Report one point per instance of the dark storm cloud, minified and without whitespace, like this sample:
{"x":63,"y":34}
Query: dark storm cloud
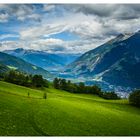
{"x":118,"y":11}
{"x":20,"y":11}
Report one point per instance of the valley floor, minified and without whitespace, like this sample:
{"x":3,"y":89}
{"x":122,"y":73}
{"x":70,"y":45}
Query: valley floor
{"x":63,"y":114}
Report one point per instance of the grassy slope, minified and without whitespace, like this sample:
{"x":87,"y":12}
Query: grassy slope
{"x":63,"y":113}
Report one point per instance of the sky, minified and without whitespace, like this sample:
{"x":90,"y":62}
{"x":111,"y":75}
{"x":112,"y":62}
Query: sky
{"x":64,"y":28}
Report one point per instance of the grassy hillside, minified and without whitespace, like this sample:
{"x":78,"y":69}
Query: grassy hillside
{"x":15,"y":63}
{"x":63,"y":113}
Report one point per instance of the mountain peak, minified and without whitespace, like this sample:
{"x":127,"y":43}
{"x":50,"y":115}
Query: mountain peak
{"x":19,"y":50}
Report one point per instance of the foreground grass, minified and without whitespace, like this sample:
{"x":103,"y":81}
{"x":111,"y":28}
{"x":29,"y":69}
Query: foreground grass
{"x":63,"y":114}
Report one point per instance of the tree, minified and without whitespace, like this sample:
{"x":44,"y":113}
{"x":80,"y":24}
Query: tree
{"x":56,"y":83}
{"x":10,"y":76}
{"x":81,"y":87}
{"x":63,"y":84}
{"x":72,"y":88}
{"x":28,"y":94}
{"x":16,"y":77}
{"x":95,"y":90}
{"x":134,"y":98}
{"x":38,"y":81}
{"x":46,"y":83}
{"x":45,"y":95}
{"x":23,"y":79}
{"x":110,"y":95}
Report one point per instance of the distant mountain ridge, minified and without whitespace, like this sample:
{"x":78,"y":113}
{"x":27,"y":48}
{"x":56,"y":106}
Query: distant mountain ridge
{"x":11,"y":62}
{"x":116,"y":62}
{"x":43,"y":59}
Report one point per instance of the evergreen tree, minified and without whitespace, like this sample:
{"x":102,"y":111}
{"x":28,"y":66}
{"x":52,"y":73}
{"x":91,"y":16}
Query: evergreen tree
{"x":63,"y":84}
{"x":45,"y":95}
{"x":28,"y":94}
{"x":81,"y":87}
{"x":95,"y":90}
{"x":38,"y":81}
{"x":134,"y":98}
{"x":56,"y":83}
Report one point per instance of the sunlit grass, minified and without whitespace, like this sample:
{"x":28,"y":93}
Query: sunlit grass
{"x":63,"y":113}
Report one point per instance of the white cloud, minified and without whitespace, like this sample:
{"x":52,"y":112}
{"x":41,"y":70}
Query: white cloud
{"x":48,"y":7}
{"x":4,"y":36}
{"x":41,"y":31}
{"x":93,"y":24}
{"x":4,"y":17}
{"x":53,"y":45}
{"x":31,"y":16}
{"x":6,"y":45}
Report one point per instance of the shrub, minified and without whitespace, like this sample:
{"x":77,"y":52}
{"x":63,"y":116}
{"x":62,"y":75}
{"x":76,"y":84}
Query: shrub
{"x":134,"y":98}
{"x":45,"y":96}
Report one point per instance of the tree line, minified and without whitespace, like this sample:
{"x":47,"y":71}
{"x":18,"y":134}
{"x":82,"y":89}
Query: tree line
{"x":24,"y":79}
{"x":67,"y":85}
{"x":134,"y":98}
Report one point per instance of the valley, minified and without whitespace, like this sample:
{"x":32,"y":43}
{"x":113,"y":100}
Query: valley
{"x":69,"y":69}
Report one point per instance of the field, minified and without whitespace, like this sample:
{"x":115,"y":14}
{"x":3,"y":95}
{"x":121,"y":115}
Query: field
{"x":63,"y":114}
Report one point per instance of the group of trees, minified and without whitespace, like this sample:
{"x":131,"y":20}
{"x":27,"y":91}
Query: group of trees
{"x":134,"y":98}
{"x":66,"y":85}
{"x":109,"y":95}
{"x":75,"y":88}
{"x":23,"y":79}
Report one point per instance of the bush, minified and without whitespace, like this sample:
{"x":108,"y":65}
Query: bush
{"x":134,"y":98}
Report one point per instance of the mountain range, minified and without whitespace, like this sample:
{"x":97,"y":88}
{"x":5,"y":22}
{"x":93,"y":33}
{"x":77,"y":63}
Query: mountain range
{"x":117,"y":62}
{"x":47,"y":61}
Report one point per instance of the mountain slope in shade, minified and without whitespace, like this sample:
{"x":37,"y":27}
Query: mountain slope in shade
{"x":13,"y":62}
{"x":116,"y":62}
{"x":42,"y":59}
{"x":3,"y":69}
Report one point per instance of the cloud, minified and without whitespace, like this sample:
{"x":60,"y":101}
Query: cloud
{"x":101,"y":10}
{"x":118,"y":11}
{"x":6,"y":45}
{"x":5,"y":36}
{"x":41,"y":31}
{"x":4,"y":17}
{"x":35,"y":17}
{"x":94,"y":24}
{"x":48,"y":7}
{"x":20,"y":11}
{"x":52,"y":45}
{"x":84,"y":27}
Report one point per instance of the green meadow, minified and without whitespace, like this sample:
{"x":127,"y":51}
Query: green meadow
{"x":63,"y":114}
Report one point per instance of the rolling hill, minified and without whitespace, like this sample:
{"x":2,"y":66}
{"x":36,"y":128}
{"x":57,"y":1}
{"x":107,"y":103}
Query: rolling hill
{"x":63,"y":114}
{"x":12,"y":62}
